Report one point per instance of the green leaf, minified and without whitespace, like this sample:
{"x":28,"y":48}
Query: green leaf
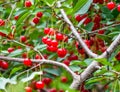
{"x":56,"y":72}
{"x":79,"y":5}
{"x":103,"y":61}
{"x":76,"y":62}
{"x":89,"y":27}
{"x":75,"y":68}
{"x":104,"y":37}
{"x":85,"y":8}
{"x":49,"y":2}
{"x":15,"y":53}
{"x":94,"y":79}
{"x":23,"y":16}
{"x":14,"y":70}
{"x":31,"y":76}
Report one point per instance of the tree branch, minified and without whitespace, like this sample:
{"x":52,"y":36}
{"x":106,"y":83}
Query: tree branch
{"x":44,"y":61}
{"x":92,"y":67}
{"x":74,"y":31}
{"x":112,"y":47}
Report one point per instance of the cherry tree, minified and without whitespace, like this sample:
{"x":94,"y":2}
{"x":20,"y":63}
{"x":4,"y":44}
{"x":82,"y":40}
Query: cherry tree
{"x":59,"y":45}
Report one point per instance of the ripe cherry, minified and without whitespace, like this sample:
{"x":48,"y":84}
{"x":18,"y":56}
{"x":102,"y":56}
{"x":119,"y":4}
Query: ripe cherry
{"x":16,"y":17}
{"x":118,"y":56}
{"x":87,"y":20}
{"x":48,"y":42}
{"x":62,"y":52}
{"x":39,"y":85}
{"x":44,"y":40}
{"x":27,"y":62}
{"x":4,"y":65}
{"x":64,"y":79}
{"x":87,"y":42}
{"x":3,"y":34}
{"x":36,"y":20}
{"x":78,"y":18}
{"x":111,"y":5}
{"x":10,"y":49}
{"x":28,"y":3}
{"x":2,"y":22}
{"x":73,"y":57}
{"x":54,"y":43}
{"x":46,"y":30}
{"x":47,"y":81}
{"x":66,"y":62}
{"x":53,"y":90}
{"x":97,"y":18}
{"x":101,"y":31}
{"x":59,"y":36}
{"x":37,"y":56}
{"x":24,"y":55}
{"x":118,"y":7}
{"x":39,"y":14}
{"x":61,"y":90}
{"x":28,"y":89}
{"x":23,"y":38}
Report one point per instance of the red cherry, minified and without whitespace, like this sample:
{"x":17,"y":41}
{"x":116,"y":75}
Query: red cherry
{"x":46,"y":30}
{"x":95,"y":1}
{"x":39,"y":14}
{"x":54,"y":43}
{"x":45,"y":56}
{"x":27,"y":62}
{"x":2,"y":22}
{"x":10,"y":50}
{"x":61,"y":90}
{"x":73,"y":57}
{"x":62,"y":52}
{"x":28,"y":3}
{"x":4,"y":65}
{"x":37,"y":56}
{"x":111,"y":5}
{"x":53,"y":90}
{"x":78,"y":18}
{"x":24,"y":55}
{"x":16,"y":17}
{"x":23,"y":38}
{"x":47,"y":81}
{"x":36,"y":20}
{"x":64,"y":79}
{"x":81,"y":51}
{"x":53,"y":49}
{"x":39,"y":85}
{"x":44,"y":40}
{"x":87,"y":20}
{"x":52,"y":31}
{"x":66,"y":62}
{"x":101,"y":31}
{"x":101,"y":1}
{"x":59,"y":36}
{"x":48,"y":42}
{"x":118,"y":7}
{"x":1,"y":63}
{"x":28,"y":89}
{"x":3,"y":34}
{"x":97,"y":18}
{"x":118,"y":56}
{"x":87,"y":42}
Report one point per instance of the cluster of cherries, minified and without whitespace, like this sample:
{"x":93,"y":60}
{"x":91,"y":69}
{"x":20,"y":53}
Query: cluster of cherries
{"x":111,"y":5}
{"x":52,"y":45}
{"x":38,"y":85}
{"x":4,"y":64}
{"x":41,"y":84}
